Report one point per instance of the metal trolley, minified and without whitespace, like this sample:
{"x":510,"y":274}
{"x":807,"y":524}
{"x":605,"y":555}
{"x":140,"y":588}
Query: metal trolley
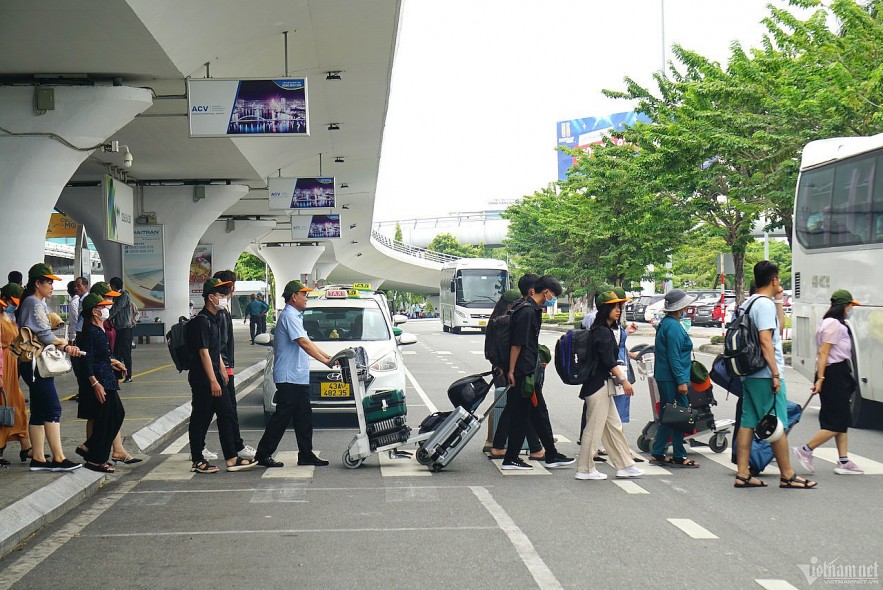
{"x":705,"y":424}
{"x":360,"y":448}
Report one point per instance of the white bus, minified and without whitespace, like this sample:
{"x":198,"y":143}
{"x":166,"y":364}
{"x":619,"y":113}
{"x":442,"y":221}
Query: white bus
{"x":468,"y":290}
{"x":838,"y":230}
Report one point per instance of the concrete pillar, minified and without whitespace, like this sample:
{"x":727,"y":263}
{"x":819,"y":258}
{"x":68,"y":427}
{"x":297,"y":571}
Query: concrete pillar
{"x":323,"y":269}
{"x":289,"y":263}
{"x":84,"y":204}
{"x":34,"y":169}
{"x":184,"y":223}
{"x":227,"y":246}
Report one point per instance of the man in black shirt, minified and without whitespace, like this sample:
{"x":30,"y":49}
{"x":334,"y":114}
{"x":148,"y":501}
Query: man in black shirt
{"x":206,"y":376}
{"x":524,"y":364}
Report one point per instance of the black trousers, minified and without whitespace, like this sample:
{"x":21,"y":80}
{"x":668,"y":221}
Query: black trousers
{"x":122,"y":348}
{"x":231,"y":391}
{"x":521,"y":413}
{"x":108,"y":421}
{"x":292,"y":405}
{"x":501,"y":432}
{"x":263,"y":324}
{"x":205,"y":407}
{"x":254,"y":326}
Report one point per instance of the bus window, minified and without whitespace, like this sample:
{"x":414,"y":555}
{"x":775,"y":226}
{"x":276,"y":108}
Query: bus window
{"x":480,"y":287}
{"x":813,"y":203}
{"x":850,"y":203}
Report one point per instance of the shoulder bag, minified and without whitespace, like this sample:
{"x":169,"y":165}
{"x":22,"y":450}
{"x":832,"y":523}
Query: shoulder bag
{"x":7,"y":413}
{"x":679,"y":418}
{"x":25,"y":346}
{"x":52,"y":362}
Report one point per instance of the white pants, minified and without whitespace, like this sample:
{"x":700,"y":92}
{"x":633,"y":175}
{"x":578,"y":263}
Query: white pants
{"x":603,"y":425}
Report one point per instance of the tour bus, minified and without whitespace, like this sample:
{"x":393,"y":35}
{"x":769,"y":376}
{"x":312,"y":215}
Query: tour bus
{"x":468,"y":290}
{"x":838,"y":231}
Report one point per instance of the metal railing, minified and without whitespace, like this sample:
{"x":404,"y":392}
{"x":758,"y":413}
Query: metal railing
{"x":410,"y":250}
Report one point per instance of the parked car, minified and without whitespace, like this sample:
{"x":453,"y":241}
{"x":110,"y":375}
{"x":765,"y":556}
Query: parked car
{"x":339,"y":318}
{"x":634,"y":310}
{"x":702,"y":298}
{"x":651,"y":310}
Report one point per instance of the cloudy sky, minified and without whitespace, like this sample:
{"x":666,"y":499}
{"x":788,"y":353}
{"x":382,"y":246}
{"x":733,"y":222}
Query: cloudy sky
{"x":478,"y":86}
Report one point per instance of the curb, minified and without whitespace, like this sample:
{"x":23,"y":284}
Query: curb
{"x":36,"y":510}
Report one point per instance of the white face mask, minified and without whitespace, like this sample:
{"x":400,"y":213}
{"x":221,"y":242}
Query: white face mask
{"x":104,"y":314}
{"x":223,"y":303}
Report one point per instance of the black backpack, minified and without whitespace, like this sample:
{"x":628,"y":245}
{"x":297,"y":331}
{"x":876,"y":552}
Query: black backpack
{"x":176,"y":339}
{"x":497,"y":345}
{"x":743,"y":355}
{"x":575,"y":360}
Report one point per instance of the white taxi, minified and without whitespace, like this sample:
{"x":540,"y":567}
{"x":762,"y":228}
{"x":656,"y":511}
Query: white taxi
{"x":342,"y":317}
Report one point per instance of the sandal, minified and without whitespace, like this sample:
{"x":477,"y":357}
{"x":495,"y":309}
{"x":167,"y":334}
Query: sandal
{"x":128,"y":460}
{"x":242,"y":464}
{"x":748,"y":482}
{"x":660,"y":460}
{"x":103,"y":468}
{"x":797,"y":483}
{"x":684,"y":463}
{"x":203,"y":467}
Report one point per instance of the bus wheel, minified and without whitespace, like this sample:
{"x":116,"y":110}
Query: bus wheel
{"x":445,"y":328}
{"x":455,"y":329}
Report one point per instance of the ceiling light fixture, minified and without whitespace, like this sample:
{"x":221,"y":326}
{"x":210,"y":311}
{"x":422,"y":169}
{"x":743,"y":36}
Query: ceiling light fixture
{"x":333,"y":127}
{"x":344,"y":185}
{"x":338,"y":160}
{"x":359,"y":254}
{"x":354,"y":242}
{"x":354,"y":225}
{"x":345,"y":206}
{"x":333,"y":76}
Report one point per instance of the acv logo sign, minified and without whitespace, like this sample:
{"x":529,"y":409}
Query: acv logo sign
{"x":200,"y":109}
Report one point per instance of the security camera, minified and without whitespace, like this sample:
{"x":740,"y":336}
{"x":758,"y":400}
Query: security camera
{"x":127,"y":159}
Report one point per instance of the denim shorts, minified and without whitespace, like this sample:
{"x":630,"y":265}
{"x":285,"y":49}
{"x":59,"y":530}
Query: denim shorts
{"x":45,"y":406}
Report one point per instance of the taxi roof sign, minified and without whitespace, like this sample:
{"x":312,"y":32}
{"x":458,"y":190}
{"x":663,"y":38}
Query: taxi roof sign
{"x":362,"y":286}
{"x":336,"y":294}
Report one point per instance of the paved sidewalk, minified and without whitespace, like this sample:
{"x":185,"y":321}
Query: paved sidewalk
{"x":157,"y":408}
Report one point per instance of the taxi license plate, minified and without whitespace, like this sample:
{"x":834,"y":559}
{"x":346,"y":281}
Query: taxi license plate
{"x":482,"y":323}
{"x":334,"y":389}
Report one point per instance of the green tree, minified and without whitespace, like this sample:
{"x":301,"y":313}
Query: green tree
{"x":447,"y":244}
{"x":398,"y":235}
{"x":251,"y":268}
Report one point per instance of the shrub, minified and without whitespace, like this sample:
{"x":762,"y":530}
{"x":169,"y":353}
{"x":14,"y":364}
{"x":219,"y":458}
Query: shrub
{"x":717,"y":339}
{"x":786,"y":346}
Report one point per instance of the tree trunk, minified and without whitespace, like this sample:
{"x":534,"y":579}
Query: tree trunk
{"x":739,"y":269}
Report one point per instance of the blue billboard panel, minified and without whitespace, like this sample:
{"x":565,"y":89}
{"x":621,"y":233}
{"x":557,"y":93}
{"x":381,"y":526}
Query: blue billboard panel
{"x":581,"y":133}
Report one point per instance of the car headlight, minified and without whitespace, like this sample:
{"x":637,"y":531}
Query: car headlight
{"x":387,"y":362}
{"x":461,"y":314}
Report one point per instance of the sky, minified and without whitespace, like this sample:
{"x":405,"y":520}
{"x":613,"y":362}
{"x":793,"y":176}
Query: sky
{"x":478,"y":86}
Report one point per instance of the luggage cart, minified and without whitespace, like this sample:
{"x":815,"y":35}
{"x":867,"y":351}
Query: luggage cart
{"x":364,"y":444}
{"x":705,"y":423}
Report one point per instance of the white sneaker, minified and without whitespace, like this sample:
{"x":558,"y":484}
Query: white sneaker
{"x":593,"y":474}
{"x":848,"y":468}
{"x":208,"y":455}
{"x":629,"y":472}
{"x":246,"y":453}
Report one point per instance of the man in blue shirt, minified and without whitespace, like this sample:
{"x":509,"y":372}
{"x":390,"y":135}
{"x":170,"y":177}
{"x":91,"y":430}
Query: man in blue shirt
{"x":291,"y":373}
{"x":765,"y":389}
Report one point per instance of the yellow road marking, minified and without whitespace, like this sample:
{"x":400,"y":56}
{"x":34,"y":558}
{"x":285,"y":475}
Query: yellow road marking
{"x":153,"y":370}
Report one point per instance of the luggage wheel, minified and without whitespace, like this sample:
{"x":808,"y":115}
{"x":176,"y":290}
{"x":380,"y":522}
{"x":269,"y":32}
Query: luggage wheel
{"x":397,"y":454}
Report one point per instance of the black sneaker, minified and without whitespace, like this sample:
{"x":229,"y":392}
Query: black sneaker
{"x":559,"y":460}
{"x":516,"y":463}
{"x":270,"y":462}
{"x":38,"y":466}
{"x":312,"y":460}
{"x":65,"y":465}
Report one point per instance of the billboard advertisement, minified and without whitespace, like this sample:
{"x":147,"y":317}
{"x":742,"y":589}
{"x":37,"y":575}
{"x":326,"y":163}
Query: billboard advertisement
{"x":61,"y":226}
{"x":200,"y":269}
{"x":301,"y":193}
{"x":582,"y":133}
{"x":315,"y":227}
{"x":219,"y":107}
{"x":143,"y":274}
{"x":119,"y":211}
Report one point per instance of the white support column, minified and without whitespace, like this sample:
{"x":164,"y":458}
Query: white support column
{"x":227,"y":246}
{"x":84,"y":204}
{"x":184,"y":222}
{"x":35,"y":169}
{"x":323,"y":269}
{"x":289,"y":263}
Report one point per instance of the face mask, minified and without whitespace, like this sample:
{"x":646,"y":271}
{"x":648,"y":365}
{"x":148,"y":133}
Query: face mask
{"x":11,"y":308}
{"x":551,"y":302}
{"x":848,"y":314}
{"x":104,"y":313}
{"x":223,"y":303}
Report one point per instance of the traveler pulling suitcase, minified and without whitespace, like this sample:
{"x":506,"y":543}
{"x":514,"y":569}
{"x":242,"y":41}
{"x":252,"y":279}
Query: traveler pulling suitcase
{"x":451,"y":436}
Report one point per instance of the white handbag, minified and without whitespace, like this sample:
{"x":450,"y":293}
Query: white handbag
{"x":52,"y":362}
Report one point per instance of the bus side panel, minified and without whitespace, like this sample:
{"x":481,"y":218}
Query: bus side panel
{"x":866,"y":324}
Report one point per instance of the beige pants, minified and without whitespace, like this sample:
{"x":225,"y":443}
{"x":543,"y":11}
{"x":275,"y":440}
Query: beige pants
{"x":603,"y":425}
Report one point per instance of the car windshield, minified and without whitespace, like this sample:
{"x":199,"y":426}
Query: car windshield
{"x":345,"y":323}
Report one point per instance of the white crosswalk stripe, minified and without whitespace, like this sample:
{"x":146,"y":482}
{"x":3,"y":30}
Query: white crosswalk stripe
{"x":831,"y":455}
{"x":291,"y":470}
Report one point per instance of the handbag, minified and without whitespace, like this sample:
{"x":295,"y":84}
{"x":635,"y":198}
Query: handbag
{"x":25,"y":346}
{"x":679,"y":418}
{"x":52,"y":362}
{"x":7,"y":413}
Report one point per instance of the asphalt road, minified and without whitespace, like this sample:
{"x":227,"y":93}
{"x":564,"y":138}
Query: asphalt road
{"x":393,"y":524}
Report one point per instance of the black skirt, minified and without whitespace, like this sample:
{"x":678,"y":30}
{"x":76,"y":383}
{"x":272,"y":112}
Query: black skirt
{"x":837,"y":388}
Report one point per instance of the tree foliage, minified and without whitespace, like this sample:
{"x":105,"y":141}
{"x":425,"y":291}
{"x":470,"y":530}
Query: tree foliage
{"x":447,"y":244}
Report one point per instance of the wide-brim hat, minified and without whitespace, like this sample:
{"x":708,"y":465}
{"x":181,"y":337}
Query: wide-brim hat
{"x":676,"y":299}
{"x":700,"y":379}
{"x":42,"y":270}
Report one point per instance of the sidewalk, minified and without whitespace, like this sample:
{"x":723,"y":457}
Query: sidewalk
{"x":157,"y":404}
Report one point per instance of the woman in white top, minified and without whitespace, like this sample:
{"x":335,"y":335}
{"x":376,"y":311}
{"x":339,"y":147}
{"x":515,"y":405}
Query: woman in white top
{"x":834,"y":384}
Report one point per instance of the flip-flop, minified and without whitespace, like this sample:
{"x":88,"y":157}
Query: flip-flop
{"x":746,"y":482}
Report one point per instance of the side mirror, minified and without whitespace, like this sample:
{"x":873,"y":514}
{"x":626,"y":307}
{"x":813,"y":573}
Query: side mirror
{"x":406,"y":338}
{"x":264,"y":339}
{"x":399,"y":319}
